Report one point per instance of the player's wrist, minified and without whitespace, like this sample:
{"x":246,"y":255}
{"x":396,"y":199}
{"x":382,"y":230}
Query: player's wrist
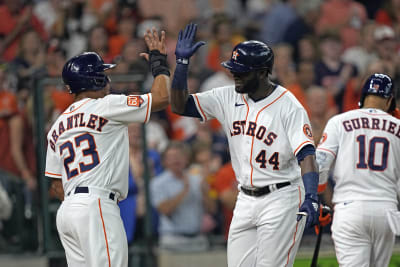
{"x":179,"y":82}
{"x":158,"y":63}
{"x":182,"y":60}
{"x":310,"y":181}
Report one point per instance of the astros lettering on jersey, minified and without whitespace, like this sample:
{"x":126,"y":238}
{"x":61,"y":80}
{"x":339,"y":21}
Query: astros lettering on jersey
{"x":263,"y":135}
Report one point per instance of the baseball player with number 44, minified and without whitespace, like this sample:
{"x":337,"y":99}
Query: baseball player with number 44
{"x":88,"y":153}
{"x":365,"y":146}
{"x":271,"y":147}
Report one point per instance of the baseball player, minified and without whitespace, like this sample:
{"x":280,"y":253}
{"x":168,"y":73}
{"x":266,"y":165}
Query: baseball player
{"x":269,"y":136}
{"x":88,"y":153}
{"x":364,"y":144}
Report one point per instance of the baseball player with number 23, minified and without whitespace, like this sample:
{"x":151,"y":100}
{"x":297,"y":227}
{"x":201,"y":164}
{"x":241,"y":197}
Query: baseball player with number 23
{"x":271,"y":147}
{"x":87,"y":155}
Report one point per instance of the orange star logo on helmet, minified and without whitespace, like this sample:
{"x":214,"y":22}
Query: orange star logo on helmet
{"x":235,"y":54}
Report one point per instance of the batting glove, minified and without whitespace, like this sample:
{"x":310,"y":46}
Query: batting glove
{"x":325,"y":217}
{"x":311,"y":207}
{"x":185,"y":47}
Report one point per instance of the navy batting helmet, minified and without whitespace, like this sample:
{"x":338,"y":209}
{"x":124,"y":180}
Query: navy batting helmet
{"x":380,"y":85}
{"x":85,"y":72}
{"x":250,"y":56}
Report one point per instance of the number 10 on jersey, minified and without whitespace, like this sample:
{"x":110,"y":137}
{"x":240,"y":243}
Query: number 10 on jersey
{"x":367,"y":160}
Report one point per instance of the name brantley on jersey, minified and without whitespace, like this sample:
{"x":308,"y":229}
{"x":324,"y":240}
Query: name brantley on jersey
{"x":91,"y":121}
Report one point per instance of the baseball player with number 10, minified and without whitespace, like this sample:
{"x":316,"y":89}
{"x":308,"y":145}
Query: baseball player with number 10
{"x":87,"y":155}
{"x":365,"y":146}
{"x":269,"y":136}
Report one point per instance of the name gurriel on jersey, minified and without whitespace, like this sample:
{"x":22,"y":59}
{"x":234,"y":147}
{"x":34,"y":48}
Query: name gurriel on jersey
{"x":373,"y":124}
{"x":77,"y":120}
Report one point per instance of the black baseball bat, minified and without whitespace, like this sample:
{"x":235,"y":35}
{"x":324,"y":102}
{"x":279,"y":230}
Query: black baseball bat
{"x":317,"y":246}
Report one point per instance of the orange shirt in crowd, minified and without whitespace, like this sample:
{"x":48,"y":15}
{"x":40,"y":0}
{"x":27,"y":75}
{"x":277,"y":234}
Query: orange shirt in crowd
{"x":61,"y":100}
{"x":299,"y":93}
{"x":9,"y":23}
{"x":225,"y":179}
{"x":8,"y":109}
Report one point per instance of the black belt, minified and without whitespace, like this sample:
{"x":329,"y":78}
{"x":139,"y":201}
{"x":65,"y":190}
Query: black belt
{"x":260,"y":191}
{"x":85,"y":189}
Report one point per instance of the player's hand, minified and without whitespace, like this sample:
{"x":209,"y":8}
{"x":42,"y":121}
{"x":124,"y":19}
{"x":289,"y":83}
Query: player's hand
{"x":185,"y":47}
{"x":325,"y":217}
{"x":154,"y":42}
{"x":311,"y":207}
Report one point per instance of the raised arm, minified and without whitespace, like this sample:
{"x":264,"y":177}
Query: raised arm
{"x":185,"y":48}
{"x":157,"y":58}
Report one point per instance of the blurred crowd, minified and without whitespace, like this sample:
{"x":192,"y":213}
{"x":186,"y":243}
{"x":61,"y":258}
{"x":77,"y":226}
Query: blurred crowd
{"x":324,"y":50}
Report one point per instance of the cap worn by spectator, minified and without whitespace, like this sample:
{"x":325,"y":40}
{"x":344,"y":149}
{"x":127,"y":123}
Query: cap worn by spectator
{"x":384,"y":33}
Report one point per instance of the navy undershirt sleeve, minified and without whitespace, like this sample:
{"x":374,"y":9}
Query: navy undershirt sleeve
{"x":304,"y":152}
{"x":191,"y":109}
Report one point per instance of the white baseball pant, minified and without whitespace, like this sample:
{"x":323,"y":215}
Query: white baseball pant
{"x":91,"y":231}
{"x":361,"y":233}
{"x":264,"y":231}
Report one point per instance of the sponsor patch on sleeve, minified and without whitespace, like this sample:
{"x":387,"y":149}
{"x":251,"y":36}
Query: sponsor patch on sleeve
{"x":307,"y":131}
{"x":134,"y":101}
{"x":323,"y":138}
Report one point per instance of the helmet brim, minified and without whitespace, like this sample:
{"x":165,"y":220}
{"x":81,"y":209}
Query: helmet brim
{"x":235,"y":67}
{"x":108,"y":66}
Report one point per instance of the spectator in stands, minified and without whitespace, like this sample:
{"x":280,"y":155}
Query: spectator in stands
{"x":16,"y":19}
{"x":330,"y":72}
{"x":307,"y":49}
{"x":17,"y":154}
{"x":276,"y":21}
{"x":179,"y":199}
{"x":363,"y":53}
{"x":174,"y":14}
{"x":126,"y":32}
{"x":222,"y":77}
{"x":31,"y":56}
{"x":345,"y":17}
{"x":389,"y":14}
{"x":387,"y":48}
{"x":133,"y":208}
{"x":98,"y":42}
{"x":303,"y":25}
{"x":226,"y":189}
{"x":284,"y":69}
{"x":320,"y":112}
{"x":224,"y":33}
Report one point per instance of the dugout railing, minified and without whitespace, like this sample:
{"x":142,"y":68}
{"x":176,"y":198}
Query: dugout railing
{"x":49,"y":243}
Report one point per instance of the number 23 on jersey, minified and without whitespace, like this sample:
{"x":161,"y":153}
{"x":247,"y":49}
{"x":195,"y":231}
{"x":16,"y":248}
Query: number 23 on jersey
{"x":87,"y":145}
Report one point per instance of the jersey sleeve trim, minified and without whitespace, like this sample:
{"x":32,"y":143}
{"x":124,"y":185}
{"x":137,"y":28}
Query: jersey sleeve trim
{"x":53,"y":175}
{"x":77,"y":107}
{"x":201,"y":110}
{"x":148,"y":108}
{"x":301,"y":146}
{"x":325,"y":149}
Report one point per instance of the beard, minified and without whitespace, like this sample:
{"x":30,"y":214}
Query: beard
{"x":249,"y":87}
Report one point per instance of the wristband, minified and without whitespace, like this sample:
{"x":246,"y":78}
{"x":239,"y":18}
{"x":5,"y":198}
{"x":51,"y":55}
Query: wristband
{"x":158,"y":63}
{"x":310,"y":180}
{"x":184,"y":61}
{"x":179,"y":81}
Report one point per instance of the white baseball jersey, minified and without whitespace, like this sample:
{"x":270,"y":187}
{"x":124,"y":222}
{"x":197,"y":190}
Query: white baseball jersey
{"x":366,"y":146}
{"x":264,"y":136}
{"x":88,"y":144}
